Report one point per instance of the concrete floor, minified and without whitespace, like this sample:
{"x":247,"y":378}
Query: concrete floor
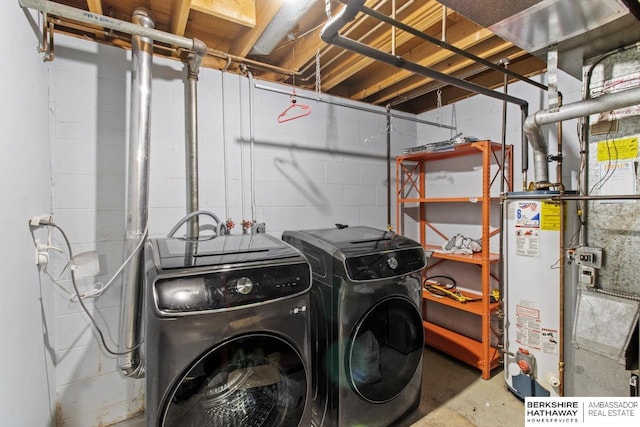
{"x":453,"y":395}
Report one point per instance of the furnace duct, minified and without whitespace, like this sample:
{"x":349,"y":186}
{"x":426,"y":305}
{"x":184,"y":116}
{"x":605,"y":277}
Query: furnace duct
{"x":281,"y":25}
{"x":533,"y":124}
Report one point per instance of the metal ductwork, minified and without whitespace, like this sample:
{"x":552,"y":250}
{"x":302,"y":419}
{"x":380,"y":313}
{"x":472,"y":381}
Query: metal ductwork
{"x":577,"y":29}
{"x":137,"y":197}
{"x":281,"y":25}
{"x":533,"y":123}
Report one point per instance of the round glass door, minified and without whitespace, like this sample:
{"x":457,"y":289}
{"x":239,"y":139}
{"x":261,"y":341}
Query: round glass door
{"x":254,"y":380}
{"x":385,"y":350}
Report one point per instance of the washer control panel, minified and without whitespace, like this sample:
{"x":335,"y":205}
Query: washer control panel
{"x":229,"y":288}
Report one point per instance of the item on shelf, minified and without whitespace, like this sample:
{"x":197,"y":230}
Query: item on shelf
{"x":441,"y":145}
{"x":446,"y":290}
{"x":460,"y":244}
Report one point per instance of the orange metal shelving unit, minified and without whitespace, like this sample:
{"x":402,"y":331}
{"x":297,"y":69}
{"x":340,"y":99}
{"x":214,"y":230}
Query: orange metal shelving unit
{"x":411,"y":189}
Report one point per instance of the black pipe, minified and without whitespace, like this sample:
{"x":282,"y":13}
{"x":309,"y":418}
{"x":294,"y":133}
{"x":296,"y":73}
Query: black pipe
{"x":330,"y":35}
{"x":445,"y":45}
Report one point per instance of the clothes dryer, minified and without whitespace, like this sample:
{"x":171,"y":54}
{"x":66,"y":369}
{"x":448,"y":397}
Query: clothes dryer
{"x":367,"y":335}
{"x":227,"y":333}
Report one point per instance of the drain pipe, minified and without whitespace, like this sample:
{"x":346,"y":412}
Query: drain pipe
{"x":137,"y":196}
{"x":533,"y":123}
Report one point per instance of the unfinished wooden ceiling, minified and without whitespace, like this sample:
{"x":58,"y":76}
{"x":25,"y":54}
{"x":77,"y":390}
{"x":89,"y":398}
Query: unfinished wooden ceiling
{"x":231,"y":29}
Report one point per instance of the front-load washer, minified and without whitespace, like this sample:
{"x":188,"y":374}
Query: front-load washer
{"x":227,"y":338}
{"x":367,"y":335}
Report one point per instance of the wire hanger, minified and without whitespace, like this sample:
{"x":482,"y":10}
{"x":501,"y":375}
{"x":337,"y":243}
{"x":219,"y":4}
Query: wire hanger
{"x":294,"y":111}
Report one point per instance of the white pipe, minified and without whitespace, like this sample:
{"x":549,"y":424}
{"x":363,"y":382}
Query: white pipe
{"x":251,"y":150}
{"x":533,"y":123}
{"x":224,"y":149}
{"x":195,"y":45}
{"x":242,"y":146}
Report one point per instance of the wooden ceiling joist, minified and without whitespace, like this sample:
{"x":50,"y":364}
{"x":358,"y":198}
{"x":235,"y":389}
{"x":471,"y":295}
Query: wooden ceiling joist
{"x":242,"y":12}
{"x":230,"y":28}
{"x":463,"y":36}
{"x":179,"y":16}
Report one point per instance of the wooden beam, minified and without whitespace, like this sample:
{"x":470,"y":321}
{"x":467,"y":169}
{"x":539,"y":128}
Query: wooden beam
{"x":241,"y":12}
{"x":265,"y":11}
{"x":179,"y":16}
{"x":95,"y":6}
{"x":448,"y":66}
{"x":526,"y":65}
{"x":463,"y":35}
{"x":417,"y":85}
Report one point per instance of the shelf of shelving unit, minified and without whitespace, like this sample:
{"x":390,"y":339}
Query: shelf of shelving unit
{"x":410,"y":173}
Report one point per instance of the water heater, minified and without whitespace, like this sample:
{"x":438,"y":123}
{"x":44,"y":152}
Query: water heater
{"x":539,"y":292}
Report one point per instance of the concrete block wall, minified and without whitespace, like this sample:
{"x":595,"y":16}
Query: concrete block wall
{"x":27,"y":374}
{"x":326,"y":168}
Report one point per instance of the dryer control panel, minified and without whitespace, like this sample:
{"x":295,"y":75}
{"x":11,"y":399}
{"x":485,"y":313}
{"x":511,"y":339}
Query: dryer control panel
{"x":229,"y":288}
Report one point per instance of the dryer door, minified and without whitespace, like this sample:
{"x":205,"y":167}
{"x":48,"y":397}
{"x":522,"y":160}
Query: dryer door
{"x":252,"y":380}
{"x":385,"y":349}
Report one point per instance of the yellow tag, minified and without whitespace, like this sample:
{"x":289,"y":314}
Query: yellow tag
{"x":618,"y":149}
{"x":550,"y":216}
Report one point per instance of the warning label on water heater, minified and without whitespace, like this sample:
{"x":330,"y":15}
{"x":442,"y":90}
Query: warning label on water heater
{"x":528,"y":329}
{"x":528,"y":214}
{"x":528,"y":229}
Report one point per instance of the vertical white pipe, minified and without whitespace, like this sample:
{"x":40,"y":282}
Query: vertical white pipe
{"x":251,"y":150}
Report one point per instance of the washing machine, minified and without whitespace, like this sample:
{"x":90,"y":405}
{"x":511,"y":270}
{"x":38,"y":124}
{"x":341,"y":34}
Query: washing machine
{"x":367,"y":335}
{"x":227,"y":337}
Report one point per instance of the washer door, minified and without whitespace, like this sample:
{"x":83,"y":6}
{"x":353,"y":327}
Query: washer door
{"x":252,"y":380}
{"x":385,"y":350}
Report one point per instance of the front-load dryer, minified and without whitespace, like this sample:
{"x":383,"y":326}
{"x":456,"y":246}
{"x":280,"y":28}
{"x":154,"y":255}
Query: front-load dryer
{"x":227,"y":333}
{"x":367,"y":335}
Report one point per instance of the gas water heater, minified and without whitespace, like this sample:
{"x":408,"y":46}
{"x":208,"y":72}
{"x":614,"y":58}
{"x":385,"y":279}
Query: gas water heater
{"x":539,"y":292}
